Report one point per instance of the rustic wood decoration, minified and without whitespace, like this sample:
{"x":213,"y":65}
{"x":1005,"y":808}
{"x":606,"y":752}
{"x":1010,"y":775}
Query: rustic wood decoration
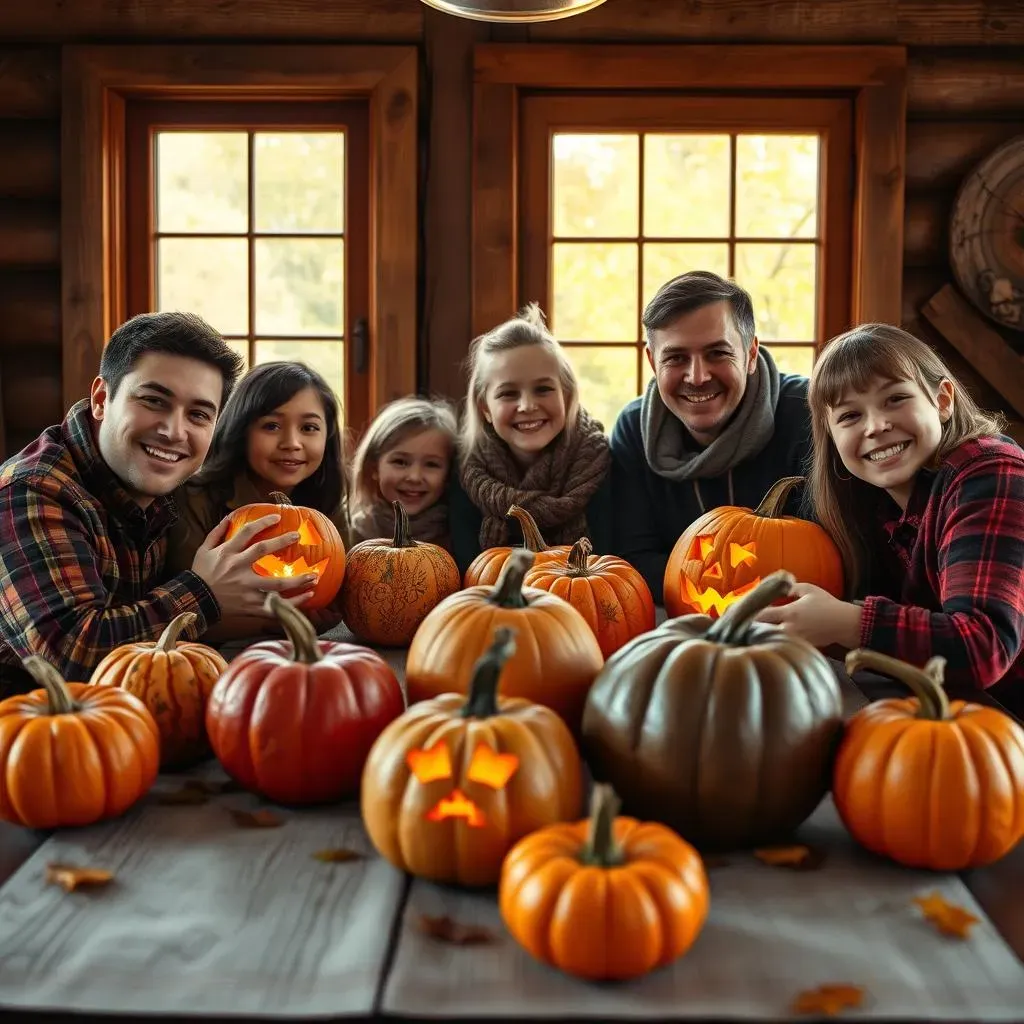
{"x":514,"y":10}
{"x":987,"y":235}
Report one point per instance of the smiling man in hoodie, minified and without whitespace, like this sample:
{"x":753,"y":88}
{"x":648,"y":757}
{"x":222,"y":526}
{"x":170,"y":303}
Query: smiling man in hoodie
{"x":718,"y":424}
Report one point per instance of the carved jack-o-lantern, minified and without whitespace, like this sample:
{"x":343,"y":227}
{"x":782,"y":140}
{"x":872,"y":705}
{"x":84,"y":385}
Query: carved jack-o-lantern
{"x":728,"y":551}
{"x":453,"y":783}
{"x":319,"y":548}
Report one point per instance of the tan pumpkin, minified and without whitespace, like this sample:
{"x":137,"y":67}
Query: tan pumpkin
{"x":485,"y":569}
{"x":174,"y":680}
{"x":391,"y":585}
{"x":607,"y":591}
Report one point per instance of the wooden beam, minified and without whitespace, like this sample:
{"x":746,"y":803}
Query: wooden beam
{"x":30,"y":311}
{"x":30,"y":167}
{"x":947,"y":84}
{"x":29,"y":82}
{"x":981,"y":345}
{"x":29,"y":234}
{"x":960,"y":23}
{"x":926,"y":229}
{"x":940,"y":154}
{"x":390,"y":20}
{"x":609,"y":66}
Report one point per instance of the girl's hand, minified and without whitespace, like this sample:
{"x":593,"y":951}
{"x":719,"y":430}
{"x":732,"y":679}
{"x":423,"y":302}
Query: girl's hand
{"x":817,"y":617}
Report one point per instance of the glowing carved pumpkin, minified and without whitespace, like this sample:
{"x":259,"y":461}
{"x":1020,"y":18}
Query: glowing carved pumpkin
{"x":453,"y":783}
{"x":728,"y":551}
{"x":319,"y":548}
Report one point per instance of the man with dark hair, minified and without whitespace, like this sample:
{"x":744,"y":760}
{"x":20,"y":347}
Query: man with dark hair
{"x":85,"y":508}
{"x":718,"y":424}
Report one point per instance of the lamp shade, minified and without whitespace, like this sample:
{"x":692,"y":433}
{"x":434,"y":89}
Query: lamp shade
{"x":514,"y":10}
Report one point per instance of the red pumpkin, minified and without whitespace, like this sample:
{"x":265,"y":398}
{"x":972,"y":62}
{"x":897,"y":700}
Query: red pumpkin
{"x":726,"y":552}
{"x":607,"y":591}
{"x":319,"y":548}
{"x":485,"y":569}
{"x":295,"y":719}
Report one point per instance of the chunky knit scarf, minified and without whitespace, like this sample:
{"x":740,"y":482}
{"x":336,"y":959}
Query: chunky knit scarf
{"x":555,"y":489}
{"x":378,"y":520}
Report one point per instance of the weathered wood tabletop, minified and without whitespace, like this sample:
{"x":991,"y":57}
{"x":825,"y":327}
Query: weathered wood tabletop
{"x":206,"y":920}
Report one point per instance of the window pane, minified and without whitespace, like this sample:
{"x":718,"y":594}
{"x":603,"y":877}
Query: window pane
{"x":300,"y":181}
{"x":793,"y":358}
{"x":686,"y":186}
{"x":665,"y":260}
{"x":777,"y":186}
{"x":594,"y":290}
{"x":781,"y":280}
{"x":299,"y":285}
{"x":241,"y":346}
{"x":205,"y":276}
{"x":595,"y":185}
{"x":607,"y":376}
{"x":326,"y":357}
{"x":201,"y":181}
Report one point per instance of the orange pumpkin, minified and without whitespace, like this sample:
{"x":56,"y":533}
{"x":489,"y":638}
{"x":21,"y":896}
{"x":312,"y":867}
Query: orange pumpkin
{"x":929,"y":782}
{"x":485,"y":569}
{"x":319,"y":548}
{"x":391,"y":585}
{"x":726,"y":552}
{"x":557,"y":655}
{"x":174,"y":681}
{"x":73,"y":754}
{"x":450,"y":786}
{"x":606,"y":899}
{"x":607,"y":591}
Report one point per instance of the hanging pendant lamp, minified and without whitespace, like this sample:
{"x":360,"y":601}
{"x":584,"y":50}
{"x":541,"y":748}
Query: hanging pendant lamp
{"x":514,"y":10}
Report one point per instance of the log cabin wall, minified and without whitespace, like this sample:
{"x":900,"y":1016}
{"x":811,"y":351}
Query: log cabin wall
{"x":965,"y":96}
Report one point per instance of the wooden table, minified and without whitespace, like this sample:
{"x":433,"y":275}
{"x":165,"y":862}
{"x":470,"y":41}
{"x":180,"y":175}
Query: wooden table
{"x":998,"y":889}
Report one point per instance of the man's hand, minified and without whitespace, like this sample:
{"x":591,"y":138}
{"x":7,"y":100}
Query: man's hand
{"x":226,"y":567}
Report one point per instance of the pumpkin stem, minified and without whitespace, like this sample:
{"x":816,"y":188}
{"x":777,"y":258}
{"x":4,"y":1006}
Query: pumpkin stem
{"x":58,"y":696}
{"x":576,"y":560}
{"x":774,"y":501}
{"x":926,"y":683}
{"x":280,"y":498}
{"x":483,"y":688}
{"x":731,"y":628}
{"x":402,"y":537}
{"x":601,"y":849}
{"x":532,"y":540}
{"x":508,"y":591}
{"x":297,"y":628}
{"x":169,"y":637}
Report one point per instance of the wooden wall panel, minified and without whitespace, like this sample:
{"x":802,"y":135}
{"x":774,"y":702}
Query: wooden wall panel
{"x":29,"y":80}
{"x":948,"y":83}
{"x":30,"y":163}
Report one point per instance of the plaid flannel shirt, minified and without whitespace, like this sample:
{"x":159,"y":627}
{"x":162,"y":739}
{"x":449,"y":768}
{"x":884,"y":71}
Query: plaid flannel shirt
{"x":81,"y":564}
{"x":959,"y":556}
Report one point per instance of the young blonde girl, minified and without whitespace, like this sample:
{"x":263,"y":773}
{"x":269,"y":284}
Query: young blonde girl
{"x":925,"y":500}
{"x":405,"y":455}
{"x":526,"y":440}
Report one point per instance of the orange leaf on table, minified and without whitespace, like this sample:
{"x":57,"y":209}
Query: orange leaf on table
{"x":338,"y":855}
{"x":70,"y":877}
{"x":444,"y":929}
{"x":257,"y":819}
{"x":829,"y":999}
{"x":948,"y":918}
{"x":797,"y":858}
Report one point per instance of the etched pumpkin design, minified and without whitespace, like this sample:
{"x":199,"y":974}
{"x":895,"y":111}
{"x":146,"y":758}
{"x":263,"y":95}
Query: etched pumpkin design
{"x":728,"y":551}
{"x":391,"y":585}
{"x":319,"y":548}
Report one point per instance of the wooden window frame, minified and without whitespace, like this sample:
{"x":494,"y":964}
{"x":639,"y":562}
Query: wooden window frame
{"x":97,"y":81}
{"x":874,"y":77}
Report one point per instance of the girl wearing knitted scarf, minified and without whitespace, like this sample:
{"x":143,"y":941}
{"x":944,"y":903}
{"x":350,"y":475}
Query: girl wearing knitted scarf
{"x":405,"y":456}
{"x":525,"y":439}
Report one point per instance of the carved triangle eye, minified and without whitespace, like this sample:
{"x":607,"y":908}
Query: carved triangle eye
{"x":490,"y":768}
{"x":430,"y":764}
{"x":714,"y":571}
{"x":308,"y":534}
{"x":701,"y":547}
{"x":740,"y":553}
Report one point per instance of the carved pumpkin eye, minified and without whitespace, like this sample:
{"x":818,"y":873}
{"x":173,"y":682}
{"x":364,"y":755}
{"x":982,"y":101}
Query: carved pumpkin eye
{"x":308,"y":535}
{"x":430,"y":764}
{"x":491,"y":769}
{"x":740,"y":553}
{"x":703,"y":545}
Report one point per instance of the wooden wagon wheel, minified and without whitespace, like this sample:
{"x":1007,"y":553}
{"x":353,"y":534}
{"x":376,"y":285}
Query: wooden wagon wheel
{"x":987,"y":235}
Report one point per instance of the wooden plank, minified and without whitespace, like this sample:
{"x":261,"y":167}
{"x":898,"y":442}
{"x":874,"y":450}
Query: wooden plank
{"x":30,"y":310}
{"x":30,"y":168}
{"x":940,"y":154}
{"x":251,"y":921}
{"x":30,"y":381}
{"x":960,"y":23}
{"x":770,"y":934}
{"x":776,"y":21}
{"x":29,"y":82}
{"x":381,"y":20}
{"x":926,"y":229}
{"x":29,"y":233}
{"x":919,"y":285}
{"x":447,"y":261}
{"x":979,"y":343}
{"x":879,"y":201}
{"x":947,"y":84}
{"x":566,"y":66}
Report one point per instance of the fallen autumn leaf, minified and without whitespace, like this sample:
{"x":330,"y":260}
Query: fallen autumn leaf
{"x":444,"y":929}
{"x":70,"y":877}
{"x":829,"y":999}
{"x":262,"y":818}
{"x":338,"y":856}
{"x":947,"y":918}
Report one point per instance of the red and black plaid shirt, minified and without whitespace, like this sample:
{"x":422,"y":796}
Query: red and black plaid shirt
{"x":959,"y":556}
{"x":81,"y":564}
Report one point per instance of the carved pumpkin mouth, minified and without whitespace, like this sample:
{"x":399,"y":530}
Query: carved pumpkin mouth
{"x":709,"y":599}
{"x":275,"y":565}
